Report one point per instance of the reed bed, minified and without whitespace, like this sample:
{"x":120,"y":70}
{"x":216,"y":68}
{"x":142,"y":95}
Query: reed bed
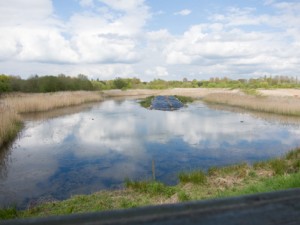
{"x":12,"y":105}
{"x":280,"y":105}
{"x":25,"y":103}
{"x":10,"y":123}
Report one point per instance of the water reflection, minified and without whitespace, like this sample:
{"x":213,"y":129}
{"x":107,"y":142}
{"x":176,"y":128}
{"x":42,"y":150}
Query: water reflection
{"x":273,"y":118}
{"x":99,"y":147}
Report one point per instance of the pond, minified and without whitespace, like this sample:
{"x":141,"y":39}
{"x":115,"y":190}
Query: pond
{"x":99,"y":146}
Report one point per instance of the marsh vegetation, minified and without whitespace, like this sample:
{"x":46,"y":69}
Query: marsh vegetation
{"x":12,"y":105}
{"x":289,"y":106}
{"x":275,"y":174}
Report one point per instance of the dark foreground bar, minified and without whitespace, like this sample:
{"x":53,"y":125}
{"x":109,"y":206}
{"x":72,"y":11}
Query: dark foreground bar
{"x":270,"y":208}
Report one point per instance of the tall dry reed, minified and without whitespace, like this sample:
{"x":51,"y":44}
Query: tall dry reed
{"x":12,"y":105}
{"x":9,"y":124}
{"x":279,"y":105}
{"x":24,"y":103}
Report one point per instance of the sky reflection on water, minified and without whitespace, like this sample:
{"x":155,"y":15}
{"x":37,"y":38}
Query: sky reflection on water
{"x":98,"y":148}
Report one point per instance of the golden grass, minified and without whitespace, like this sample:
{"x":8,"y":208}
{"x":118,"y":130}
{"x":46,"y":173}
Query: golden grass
{"x":12,"y":105}
{"x":280,"y":105}
{"x":9,"y":123}
{"x":25,"y":103}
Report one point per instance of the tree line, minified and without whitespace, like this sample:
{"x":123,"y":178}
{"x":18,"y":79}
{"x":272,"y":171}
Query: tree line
{"x":44,"y":83}
{"x":81,"y":82}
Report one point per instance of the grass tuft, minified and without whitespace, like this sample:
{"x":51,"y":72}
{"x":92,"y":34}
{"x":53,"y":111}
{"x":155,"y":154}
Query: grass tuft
{"x":279,"y":166}
{"x":195,"y":177}
{"x":250,"y":91}
{"x":146,"y":102}
{"x":184,"y":99}
{"x":8,"y":213}
{"x":240,"y":170}
{"x":183,"y":196}
{"x":150,"y":187}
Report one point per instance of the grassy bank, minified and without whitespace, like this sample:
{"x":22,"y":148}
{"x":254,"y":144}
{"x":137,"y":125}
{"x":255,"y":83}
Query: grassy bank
{"x":12,"y":105}
{"x":289,"y":106}
{"x":272,"y":175}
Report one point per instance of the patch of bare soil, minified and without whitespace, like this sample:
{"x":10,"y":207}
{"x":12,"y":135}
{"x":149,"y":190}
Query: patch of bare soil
{"x":197,"y":92}
{"x":281,"y":92}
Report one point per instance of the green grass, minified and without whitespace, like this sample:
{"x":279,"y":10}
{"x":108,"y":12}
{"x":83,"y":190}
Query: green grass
{"x":251,"y":91}
{"x":151,"y":187}
{"x":195,"y":177}
{"x":239,"y":170}
{"x":276,"y":183}
{"x":8,"y":213}
{"x":184,"y":99}
{"x":146,"y":102}
{"x":272,"y":175}
{"x":183,"y":196}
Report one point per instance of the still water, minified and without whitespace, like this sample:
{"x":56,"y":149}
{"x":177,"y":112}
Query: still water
{"x":97,"y":147}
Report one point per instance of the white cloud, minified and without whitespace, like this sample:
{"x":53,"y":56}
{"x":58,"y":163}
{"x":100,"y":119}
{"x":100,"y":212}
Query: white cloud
{"x":184,"y":12}
{"x":18,"y":12}
{"x":158,"y":71}
{"x":86,"y":3}
{"x":35,"y":36}
{"x":227,"y":46}
{"x":115,"y":36}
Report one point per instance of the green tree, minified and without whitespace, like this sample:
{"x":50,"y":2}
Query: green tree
{"x":4,"y":84}
{"x":120,"y":83}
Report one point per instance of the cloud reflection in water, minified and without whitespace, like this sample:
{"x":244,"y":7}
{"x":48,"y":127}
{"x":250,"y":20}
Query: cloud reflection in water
{"x":98,"y":148}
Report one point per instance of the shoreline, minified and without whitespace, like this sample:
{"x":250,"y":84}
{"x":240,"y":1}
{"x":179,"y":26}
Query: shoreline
{"x":13,"y":105}
{"x":218,"y":182}
{"x":194,"y":185}
{"x":275,"y":101}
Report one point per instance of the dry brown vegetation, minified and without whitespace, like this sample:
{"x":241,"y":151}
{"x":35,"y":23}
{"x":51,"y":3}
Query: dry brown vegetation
{"x":24,"y":103}
{"x":12,"y":105}
{"x":9,"y":123}
{"x":280,"y":105}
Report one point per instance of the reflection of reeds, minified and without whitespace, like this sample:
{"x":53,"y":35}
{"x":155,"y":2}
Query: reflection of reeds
{"x":279,"y":105}
{"x":13,"y":104}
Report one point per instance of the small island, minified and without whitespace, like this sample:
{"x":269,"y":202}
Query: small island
{"x":165,"y":103}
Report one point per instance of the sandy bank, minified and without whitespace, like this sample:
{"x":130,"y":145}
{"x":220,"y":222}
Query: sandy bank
{"x":191,"y":92}
{"x":198,"y":92}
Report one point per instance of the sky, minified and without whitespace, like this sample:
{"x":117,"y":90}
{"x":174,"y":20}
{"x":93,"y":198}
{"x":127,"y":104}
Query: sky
{"x":150,"y":39}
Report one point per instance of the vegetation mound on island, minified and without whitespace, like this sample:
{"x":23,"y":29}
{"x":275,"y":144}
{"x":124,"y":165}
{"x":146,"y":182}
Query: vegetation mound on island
{"x":147,"y":102}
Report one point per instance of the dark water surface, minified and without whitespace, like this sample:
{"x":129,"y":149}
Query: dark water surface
{"x":99,"y":146}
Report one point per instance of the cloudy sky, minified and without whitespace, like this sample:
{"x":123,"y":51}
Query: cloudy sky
{"x":167,"y":39}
